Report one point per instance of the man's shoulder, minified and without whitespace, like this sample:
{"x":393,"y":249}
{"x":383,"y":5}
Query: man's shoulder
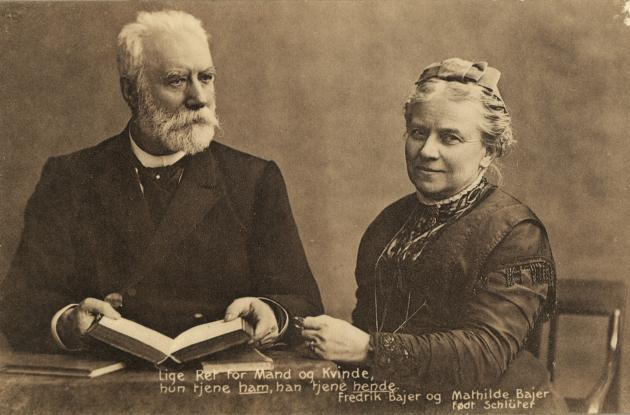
{"x":90,"y":158}
{"x":239,"y":166}
{"x":235,"y":165}
{"x":231,"y":157}
{"x":246,"y":179}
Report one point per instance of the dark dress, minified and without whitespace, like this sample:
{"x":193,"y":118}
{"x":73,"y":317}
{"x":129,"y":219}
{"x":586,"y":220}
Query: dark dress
{"x":450,"y":294}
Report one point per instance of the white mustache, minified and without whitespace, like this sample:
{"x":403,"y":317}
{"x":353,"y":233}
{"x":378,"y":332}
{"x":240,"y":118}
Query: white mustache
{"x":186,"y":118}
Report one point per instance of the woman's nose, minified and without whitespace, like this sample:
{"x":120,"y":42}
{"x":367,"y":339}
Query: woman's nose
{"x":430,"y":147}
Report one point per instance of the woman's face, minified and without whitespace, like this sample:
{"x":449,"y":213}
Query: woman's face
{"x":444,"y":150}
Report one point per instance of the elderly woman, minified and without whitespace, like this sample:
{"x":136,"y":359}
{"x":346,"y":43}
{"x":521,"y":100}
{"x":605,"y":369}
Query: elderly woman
{"x":453,"y":278}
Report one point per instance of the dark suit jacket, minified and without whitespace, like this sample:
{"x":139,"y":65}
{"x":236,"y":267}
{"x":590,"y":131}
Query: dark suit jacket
{"x":227,"y":233}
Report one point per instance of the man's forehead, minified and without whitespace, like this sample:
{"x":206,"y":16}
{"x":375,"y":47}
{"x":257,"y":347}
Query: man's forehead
{"x":185,"y":48}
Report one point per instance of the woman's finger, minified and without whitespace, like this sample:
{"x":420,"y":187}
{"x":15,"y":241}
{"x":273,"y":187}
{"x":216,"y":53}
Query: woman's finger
{"x":313,"y":335}
{"x":314,"y":322}
{"x":319,"y":351}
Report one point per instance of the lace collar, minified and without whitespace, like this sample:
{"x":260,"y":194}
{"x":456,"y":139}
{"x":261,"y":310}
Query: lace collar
{"x":432,"y":202}
{"x":462,"y":201}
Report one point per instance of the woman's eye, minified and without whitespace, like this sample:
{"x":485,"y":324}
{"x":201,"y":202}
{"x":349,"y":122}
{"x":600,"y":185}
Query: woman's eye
{"x":417,"y":133}
{"x":451,"y":139}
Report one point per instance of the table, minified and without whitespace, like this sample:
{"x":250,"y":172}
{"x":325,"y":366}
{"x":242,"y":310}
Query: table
{"x":147,"y":391}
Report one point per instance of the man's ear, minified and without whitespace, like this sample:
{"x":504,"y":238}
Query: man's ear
{"x":486,"y":161}
{"x":128,"y":90}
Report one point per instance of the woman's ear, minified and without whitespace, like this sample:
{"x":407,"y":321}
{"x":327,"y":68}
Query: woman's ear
{"x":488,"y":158}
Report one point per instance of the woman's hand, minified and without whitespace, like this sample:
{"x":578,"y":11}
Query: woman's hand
{"x":335,"y":339}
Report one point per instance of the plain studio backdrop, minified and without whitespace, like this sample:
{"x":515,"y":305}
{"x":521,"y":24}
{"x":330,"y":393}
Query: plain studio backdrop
{"x":319,"y":88}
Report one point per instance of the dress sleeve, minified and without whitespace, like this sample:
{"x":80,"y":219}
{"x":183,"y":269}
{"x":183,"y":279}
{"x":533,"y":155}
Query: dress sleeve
{"x":493,"y":328}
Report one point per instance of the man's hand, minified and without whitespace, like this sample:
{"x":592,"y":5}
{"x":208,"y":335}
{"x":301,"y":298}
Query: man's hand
{"x":74,"y":323}
{"x":334,"y":339}
{"x":258,"y":314}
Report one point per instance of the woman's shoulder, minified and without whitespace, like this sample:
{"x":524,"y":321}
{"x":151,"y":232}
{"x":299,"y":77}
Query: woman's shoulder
{"x":394,"y":214}
{"x":386,"y":224}
{"x":499,"y":198}
{"x":514,"y":238}
{"x":499,"y":217}
{"x":501,"y":207}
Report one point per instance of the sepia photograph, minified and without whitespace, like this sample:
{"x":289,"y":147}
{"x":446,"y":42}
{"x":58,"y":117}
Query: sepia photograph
{"x":385,"y":206}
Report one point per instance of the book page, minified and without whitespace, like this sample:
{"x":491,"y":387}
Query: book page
{"x":139,"y":332}
{"x":204,"y":332}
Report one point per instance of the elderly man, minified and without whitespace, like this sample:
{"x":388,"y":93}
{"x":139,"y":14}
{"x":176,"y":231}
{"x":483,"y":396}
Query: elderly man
{"x":160,"y":223}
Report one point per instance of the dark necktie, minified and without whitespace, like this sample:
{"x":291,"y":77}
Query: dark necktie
{"x":159,"y":186}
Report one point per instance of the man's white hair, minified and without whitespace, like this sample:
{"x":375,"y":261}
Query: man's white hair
{"x":131,"y":37}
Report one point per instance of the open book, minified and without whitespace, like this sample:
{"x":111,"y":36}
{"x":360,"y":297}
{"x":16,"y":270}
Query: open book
{"x":155,"y":347}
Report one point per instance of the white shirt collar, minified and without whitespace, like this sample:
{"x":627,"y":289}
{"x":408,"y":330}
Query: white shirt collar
{"x":152,"y":161}
{"x":430,"y":202}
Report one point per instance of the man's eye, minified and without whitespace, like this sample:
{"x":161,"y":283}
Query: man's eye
{"x":206,"y":77}
{"x":176,"y":82}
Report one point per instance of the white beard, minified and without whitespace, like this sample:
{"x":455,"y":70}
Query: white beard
{"x":190,"y":131}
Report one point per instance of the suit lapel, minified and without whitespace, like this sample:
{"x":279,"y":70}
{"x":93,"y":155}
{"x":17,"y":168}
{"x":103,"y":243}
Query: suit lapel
{"x":195,"y":196}
{"x":121,"y":198}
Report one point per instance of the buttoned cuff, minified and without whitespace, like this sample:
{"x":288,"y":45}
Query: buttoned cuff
{"x":281,"y":313}
{"x":53,"y":328}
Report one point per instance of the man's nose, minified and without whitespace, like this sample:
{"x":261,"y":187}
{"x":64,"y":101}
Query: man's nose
{"x":196,"y":97}
{"x":430,"y":147}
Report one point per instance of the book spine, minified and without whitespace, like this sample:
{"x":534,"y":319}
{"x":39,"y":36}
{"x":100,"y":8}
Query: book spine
{"x":127,"y":344}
